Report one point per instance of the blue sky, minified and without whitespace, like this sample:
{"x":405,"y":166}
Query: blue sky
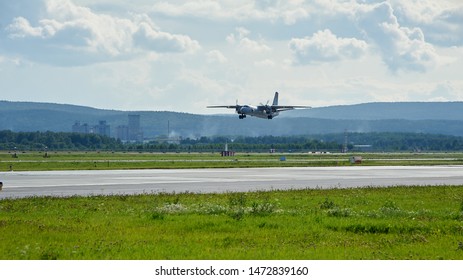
{"x":185,"y":55}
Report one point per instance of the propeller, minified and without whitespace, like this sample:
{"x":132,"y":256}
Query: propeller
{"x":268,"y":109}
{"x":266,"y":104}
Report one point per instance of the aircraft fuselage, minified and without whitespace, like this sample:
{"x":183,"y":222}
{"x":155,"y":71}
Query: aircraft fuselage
{"x":264,"y":112}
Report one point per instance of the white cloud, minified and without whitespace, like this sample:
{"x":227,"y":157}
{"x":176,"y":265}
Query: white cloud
{"x":20,"y":28}
{"x":441,"y":21}
{"x":325,"y":46}
{"x":242,"y":10}
{"x":253,"y":46}
{"x":265,"y":63}
{"x":151,"y":39}
{"x":401,"y":48}
{"x":419,"y":11}
{"x":245,"y":44}
{"x":216,"y":56}
{"x":446,"y":91}
{"x":69,"y":34}
{"x":197,"y":8}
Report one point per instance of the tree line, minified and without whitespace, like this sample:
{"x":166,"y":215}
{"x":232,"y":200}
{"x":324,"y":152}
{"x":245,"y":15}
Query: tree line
{"x":327,"y":142}
{"x":56,"y":141}
{"x":398,"y":141}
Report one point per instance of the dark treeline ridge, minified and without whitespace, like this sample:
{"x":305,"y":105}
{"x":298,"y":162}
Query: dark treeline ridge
{"x":397,"y":141}
{"x":327,"y":142}
{"x":260,"y":144}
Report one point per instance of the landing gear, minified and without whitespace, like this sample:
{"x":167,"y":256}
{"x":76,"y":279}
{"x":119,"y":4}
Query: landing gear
{"x":269,"y":117}
{"x":242,"y":116}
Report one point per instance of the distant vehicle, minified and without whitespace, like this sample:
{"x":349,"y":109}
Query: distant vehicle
{"x":261,"y":111}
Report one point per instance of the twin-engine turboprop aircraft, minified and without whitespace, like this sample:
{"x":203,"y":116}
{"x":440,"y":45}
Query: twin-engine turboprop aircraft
{"x":261,"y":111}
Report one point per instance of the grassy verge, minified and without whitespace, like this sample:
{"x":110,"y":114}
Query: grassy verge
{"x":369,"y":223}
{"x":109,"y":160}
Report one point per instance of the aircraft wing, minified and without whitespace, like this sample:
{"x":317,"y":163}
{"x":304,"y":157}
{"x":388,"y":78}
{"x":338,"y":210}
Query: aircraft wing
{"x":280,"y":108}
{"x":224,"y":106}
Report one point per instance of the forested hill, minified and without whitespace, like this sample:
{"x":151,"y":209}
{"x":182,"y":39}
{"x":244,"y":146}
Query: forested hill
{"x":387,"y":110}
{"x":436,"y":118}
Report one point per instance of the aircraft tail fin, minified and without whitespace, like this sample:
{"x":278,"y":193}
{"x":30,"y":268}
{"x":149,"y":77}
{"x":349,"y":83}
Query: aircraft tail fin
{"x":275,"y":99}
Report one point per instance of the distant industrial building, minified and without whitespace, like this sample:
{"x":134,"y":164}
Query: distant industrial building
{"x":102,"y":128}
{"x":126,"y":133}
{"x":122,"y":133}
{"x":135,"y":132}
{"x":77,"y":127}
{"x":131,"y":132}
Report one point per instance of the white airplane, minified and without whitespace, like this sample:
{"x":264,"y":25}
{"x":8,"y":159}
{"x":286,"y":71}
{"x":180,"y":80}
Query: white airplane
{"x":261,"y":111}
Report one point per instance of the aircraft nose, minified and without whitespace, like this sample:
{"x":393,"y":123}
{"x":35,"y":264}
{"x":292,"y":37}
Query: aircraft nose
{"x":245,"y":110}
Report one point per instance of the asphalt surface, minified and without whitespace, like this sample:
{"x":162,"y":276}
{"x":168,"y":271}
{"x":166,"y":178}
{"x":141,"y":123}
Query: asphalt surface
{"x":113,"y":182}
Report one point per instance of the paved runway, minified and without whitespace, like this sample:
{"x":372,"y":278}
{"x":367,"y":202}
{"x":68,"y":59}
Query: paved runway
{"x":107,"y":182}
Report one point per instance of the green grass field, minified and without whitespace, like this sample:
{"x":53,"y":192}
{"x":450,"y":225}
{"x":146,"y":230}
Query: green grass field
{"x":118,"y":160}
{"x":369,"y":223}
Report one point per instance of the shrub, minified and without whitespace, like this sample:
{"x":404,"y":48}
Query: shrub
{"x":340,"y":212}
{"x":265,"y":208}
{"x":327,"y":204}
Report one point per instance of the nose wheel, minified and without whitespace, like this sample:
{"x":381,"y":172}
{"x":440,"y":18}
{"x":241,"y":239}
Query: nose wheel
{"x":242,"y":116}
